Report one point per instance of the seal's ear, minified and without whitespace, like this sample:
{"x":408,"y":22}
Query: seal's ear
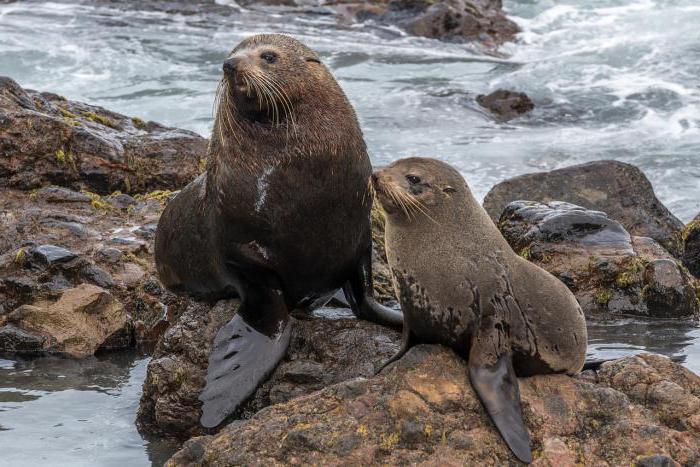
{"x":449,"y":190}
{"x":312,"y":59}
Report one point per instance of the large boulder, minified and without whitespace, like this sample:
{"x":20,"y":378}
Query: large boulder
{"x":691,"y":246}
{"x":620,"y":190}
{"x":46,"y":139}
{"x":323,"y":351}
{"x":609,"y":271}
{"x":76,"y":325}
{"x":640,"y":410}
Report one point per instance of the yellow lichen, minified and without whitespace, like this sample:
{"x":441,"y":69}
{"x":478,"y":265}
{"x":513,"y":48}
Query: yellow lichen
{"x":20,"y":256}
{"x":202,"y":165}
{"x":96,"y":201}
{"x":685,"y":233}
{"x":389,"y":441}
{"x":428,"y":430}
{"x":67,"y":114}
{"x":603,"y":297}
{"x":157,"y":195}
{"x":362,"y":430}
{"x":526,"y":252}
{"x":61,"y":156}
{"x":138,"y":123}
{"x":93,"y":117}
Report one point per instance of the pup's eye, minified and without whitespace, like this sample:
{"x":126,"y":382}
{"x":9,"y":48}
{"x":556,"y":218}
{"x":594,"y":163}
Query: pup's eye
{"x":269,"y":57}
{"x":413,"y":179}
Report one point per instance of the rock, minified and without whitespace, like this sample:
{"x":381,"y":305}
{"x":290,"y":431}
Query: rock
{"x":42,"y":256}
{"x":322,"y":352}
{"x":506,"y":105}
{"x":423,"y":411}
{"x":48,"y":255}
{"x":76,"y":325}
{"x":609,"y":271}
{"x":620,"y":190}
{"x":16,"y":340}
{"x":46,"y":139}
{"x":482,"y":21}
{"x":57,"y":194}
{"x":691,"y":246}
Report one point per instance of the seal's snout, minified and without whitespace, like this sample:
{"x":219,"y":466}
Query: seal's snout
{"x":231,"y":64}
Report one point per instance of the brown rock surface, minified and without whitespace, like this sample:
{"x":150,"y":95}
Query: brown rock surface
{"x":691,"y":246}
{"x":76,"y":325}
{"x":46,"y":139}
{"x":610,"y":272}
{"x":323,"y":351}
{"x":506,"y":105}
{"x":423,"y":410}
{"x":620,"y":190}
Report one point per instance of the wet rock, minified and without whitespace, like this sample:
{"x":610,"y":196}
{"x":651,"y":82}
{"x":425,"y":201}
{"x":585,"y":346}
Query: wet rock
{"x":423,"y":411}
{"x":620,"y":190}
{"x":322,"y":352}
{"x":691,"y":246}
{"x":17,"y":340}
{"x":609,"y":271}
{"x":76,"y":325}
{"x":506,"y":105}
{"x":57,"y":194}
{"x":482,"y":21}
{"x":41,"y":256}
{"x":47,"y":255}
{"x":48,"y":140}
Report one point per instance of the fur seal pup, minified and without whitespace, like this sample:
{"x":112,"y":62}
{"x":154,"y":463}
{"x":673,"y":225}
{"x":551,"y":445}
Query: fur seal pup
{"x":280,"y":218}
{"x":460,"y":284}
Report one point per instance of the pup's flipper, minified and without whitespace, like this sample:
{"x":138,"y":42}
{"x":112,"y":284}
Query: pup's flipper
{"x":497,"y":388}
{"x":241,"y":359}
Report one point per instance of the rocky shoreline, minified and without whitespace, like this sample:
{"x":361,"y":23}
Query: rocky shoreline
{"x":81,"y":192}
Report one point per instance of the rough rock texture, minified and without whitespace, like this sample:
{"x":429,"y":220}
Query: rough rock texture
{"x":609,"y":271}
{"x":46,"y":139}
{"x":76,"y":325}
{"x":691,"y":246}
{"x":480,"y":21}
{"x":618,"y":189}
{"x":55,"y":239}
{"x":323,"y":351}
{"x":422,"y":410}
{"x":506,"y":105}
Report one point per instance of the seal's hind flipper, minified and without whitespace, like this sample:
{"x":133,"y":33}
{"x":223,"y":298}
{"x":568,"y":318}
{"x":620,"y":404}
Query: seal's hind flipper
{"x":359,"y":294}
{"x":241,"y":359}
{"x":497,"y":388}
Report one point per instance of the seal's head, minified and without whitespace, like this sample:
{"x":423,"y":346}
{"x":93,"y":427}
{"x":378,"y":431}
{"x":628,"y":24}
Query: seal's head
{"x":416,"y":185}
{"x":266,"y":75}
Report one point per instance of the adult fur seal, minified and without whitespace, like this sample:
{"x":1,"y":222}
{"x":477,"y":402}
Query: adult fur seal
{"x":279,"y":219}
{"x":461,"y":285}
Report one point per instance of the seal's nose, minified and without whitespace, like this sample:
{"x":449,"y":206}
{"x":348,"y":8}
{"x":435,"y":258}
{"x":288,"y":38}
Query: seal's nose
{"x":230,"y":64}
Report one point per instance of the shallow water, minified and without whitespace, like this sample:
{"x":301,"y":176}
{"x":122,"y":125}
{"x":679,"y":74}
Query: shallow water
{"x":74,"y":412}
{"x":610,"y":78}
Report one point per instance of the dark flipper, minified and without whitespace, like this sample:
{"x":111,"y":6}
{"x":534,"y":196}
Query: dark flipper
{"x":408,"y":340}
{"x":245,"y":352}
{"x":359,"y":293}
{"x":497,"y":387}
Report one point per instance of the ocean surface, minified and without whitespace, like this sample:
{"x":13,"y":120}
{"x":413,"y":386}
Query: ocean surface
{"x":610,"y":79}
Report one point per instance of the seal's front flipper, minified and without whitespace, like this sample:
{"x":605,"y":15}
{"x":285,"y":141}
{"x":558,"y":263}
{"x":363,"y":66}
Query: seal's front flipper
{"x":497,"y":387}
{"x":245,"y":352}
{"x":359,"y":293}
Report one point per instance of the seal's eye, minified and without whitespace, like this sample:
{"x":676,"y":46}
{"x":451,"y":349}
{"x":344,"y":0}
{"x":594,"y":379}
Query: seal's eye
{"x":269,"y":57}
{"x":413,"y":179}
